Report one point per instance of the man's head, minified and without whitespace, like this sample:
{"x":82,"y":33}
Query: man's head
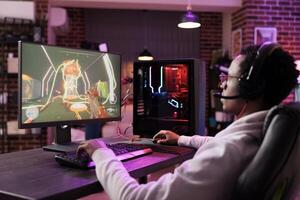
{"x":263,"y":75}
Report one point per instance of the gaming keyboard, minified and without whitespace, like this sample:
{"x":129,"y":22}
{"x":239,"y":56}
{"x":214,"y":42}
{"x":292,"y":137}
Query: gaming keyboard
{"x":123,"y":151}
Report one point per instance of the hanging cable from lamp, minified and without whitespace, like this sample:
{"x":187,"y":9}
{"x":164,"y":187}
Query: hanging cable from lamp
{"x":145,"y":55}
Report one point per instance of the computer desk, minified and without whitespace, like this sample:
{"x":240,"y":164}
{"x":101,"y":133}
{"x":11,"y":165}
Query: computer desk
{"x":34,"y":174}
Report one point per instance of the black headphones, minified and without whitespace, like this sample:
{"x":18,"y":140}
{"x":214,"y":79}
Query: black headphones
{"x":252,"y":83}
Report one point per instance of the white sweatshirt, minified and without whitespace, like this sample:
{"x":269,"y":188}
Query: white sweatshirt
{"x":211,"y":174}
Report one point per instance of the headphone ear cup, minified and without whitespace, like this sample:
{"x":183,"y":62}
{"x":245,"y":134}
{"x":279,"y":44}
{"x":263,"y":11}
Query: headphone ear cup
{"x":250,"y":90}
{"x":252,"y":85}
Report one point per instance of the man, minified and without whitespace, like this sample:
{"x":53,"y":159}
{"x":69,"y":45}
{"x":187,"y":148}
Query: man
{"x":258,"y":79}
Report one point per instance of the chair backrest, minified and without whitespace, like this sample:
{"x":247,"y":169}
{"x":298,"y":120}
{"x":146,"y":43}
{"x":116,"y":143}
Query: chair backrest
{"x":274,"y":171}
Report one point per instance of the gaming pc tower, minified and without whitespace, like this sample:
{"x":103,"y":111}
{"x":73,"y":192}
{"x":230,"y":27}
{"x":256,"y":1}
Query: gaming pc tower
{"x":169,"y":95}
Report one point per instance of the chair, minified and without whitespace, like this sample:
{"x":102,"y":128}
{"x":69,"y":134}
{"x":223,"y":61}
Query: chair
{"x":274,"y":171}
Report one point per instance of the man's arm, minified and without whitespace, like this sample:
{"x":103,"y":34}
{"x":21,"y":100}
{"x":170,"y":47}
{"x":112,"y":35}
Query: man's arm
{"x":195,"y":141}
{"x":203,"y":177}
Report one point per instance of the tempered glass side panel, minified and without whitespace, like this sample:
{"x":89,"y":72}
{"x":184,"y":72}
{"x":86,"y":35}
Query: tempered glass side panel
{"x":163,"y":97}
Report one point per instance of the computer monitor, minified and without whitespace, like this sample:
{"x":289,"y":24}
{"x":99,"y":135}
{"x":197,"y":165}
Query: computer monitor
{"x":169,"y":95}
{"x":61,"y":87}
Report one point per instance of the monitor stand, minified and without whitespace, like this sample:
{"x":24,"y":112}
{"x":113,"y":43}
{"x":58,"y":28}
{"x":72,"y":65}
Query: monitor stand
{"x":62,"y":141}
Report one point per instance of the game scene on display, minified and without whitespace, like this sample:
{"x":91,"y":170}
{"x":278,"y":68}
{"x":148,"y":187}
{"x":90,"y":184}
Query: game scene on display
{"x":62,"y":84}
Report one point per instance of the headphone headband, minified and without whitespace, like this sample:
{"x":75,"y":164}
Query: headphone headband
{"x":264,"y":51}
{"x":251,"y":83}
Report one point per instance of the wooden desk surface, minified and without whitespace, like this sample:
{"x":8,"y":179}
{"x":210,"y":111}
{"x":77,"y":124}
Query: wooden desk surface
{"x":34,"y":174}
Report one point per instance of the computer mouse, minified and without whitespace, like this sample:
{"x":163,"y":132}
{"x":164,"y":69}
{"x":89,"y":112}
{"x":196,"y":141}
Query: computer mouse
{"x":159,"y":137}
{"x":154,"y":141}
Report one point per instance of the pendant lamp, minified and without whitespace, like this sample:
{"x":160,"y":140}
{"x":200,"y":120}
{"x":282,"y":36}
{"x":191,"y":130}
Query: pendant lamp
{"x":145,"y":55}
{"x":189,"y":20}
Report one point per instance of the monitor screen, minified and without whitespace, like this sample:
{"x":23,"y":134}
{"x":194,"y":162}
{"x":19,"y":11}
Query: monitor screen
{"x":64,"y":86}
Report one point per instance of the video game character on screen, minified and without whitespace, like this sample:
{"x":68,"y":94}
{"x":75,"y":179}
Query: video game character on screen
{"x":64,"y":84}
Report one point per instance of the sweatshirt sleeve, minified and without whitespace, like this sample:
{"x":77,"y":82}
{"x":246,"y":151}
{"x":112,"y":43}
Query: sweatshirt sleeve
{"x":195,"y":141}
{"x":189,"y":180}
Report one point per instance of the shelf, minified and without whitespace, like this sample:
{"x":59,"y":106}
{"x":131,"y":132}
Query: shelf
{"x":15,"y":42}
{"x":12,"y":75}
{"x":13,"y":30}
{"x":166,"y":119}
{"x":15,"y":21}
{"x":9,"y":75}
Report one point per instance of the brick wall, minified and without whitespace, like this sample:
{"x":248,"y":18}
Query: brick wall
{"x":76,"y":32}
{"x":282,"y":14}
{"x":12,"y":103}
{"x":41,"y":8}
{"x":210,"y":34}
{"x":210,"y":39}
{"x":10,"y":143}
{"x":72,"y":39}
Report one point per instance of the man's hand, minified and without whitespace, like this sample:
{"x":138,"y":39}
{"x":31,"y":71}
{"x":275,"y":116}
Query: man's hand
{"x":166,"y":137}
{"x":90,"y":146}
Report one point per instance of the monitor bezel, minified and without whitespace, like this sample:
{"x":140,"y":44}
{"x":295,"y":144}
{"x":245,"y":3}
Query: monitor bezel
{"x":66,"y":122}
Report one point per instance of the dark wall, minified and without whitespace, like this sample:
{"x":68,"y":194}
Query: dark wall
{"x":128,"y":31}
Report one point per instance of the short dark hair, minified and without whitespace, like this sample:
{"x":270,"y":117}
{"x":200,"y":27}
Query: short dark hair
{"x":278,"y":74}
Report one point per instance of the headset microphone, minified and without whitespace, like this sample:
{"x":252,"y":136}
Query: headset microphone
{"x":219,"y":95}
